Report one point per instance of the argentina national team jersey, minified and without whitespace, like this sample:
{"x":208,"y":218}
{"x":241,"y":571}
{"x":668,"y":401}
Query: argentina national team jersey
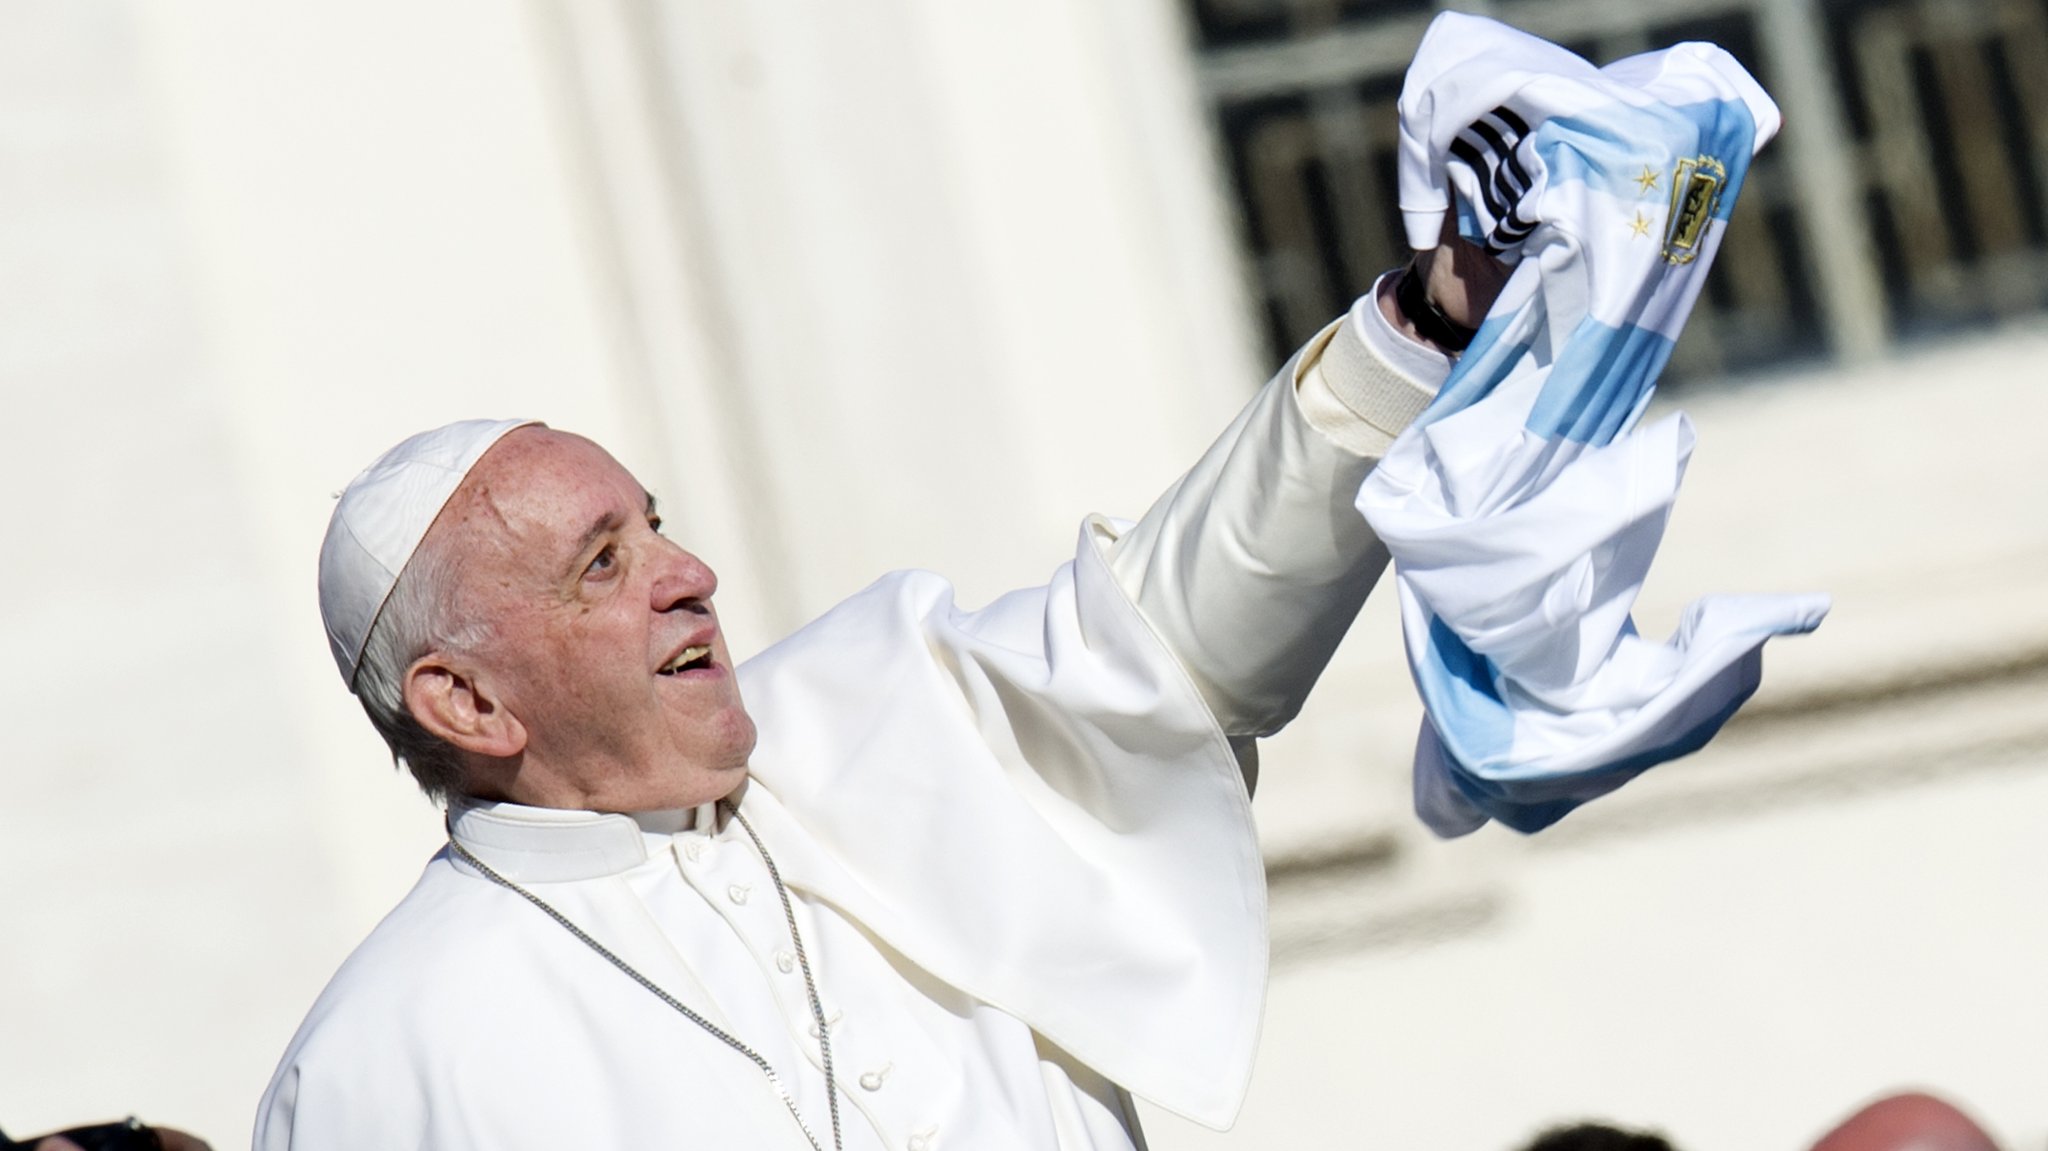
{"x":1523,"y":507}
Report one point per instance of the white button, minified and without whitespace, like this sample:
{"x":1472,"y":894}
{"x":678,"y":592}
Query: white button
{"x":738,"y":892}
{"x":923,"y":1139}
{"x":831,"y":1020}
{"x":872,"y":1081}
{"x":785,"y":961}
{"x":693,"y":848}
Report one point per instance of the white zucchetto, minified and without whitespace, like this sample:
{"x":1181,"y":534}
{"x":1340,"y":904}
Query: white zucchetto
{"x":381,"y":518}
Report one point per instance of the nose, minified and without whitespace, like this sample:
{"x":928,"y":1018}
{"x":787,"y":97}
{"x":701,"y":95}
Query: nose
{"x":681,"y":580}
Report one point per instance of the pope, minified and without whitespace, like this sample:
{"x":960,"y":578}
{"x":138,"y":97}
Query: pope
{"x":914,"y":877}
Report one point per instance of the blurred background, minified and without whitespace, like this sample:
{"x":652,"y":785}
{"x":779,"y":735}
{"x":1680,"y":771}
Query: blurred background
{"x":918,"y":283}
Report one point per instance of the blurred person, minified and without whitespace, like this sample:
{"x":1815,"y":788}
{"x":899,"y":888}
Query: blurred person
{"x":129,"y":1134}
{"x":914,"y":876}
{"x":1597,"y":1137}
{"x":1907,"y":1121}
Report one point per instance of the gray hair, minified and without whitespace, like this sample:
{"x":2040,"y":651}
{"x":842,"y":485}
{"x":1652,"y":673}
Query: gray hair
{"x":417,"y":617}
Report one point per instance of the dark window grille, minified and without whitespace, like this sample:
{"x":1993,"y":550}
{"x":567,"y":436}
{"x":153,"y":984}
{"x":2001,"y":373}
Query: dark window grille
{"x":1943,"y":108}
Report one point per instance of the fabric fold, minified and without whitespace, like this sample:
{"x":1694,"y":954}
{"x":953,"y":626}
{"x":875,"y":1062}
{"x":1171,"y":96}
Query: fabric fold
{"x":1523,"y":508}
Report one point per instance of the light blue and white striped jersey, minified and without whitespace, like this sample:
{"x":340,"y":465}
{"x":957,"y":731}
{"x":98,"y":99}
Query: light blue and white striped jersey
{"x":1521,"y":510}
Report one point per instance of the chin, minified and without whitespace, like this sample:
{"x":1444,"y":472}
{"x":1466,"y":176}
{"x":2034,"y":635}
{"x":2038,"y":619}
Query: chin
{"x":695,"y":785}
{"x":720,"y":746}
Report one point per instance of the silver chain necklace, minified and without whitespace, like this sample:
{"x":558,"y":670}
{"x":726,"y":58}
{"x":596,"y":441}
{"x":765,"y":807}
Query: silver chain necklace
{"x":719,"y":1033}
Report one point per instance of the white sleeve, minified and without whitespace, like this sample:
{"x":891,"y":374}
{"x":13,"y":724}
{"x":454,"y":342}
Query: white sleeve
{"x":1253,"y":564}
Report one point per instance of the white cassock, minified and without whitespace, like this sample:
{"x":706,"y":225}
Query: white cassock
{"x":1017,"y":841}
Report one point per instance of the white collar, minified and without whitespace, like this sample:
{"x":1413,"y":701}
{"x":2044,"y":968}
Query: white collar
{"x":554,"y":845}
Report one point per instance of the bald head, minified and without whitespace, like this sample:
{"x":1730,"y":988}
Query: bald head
{"x":1910,"y":1121}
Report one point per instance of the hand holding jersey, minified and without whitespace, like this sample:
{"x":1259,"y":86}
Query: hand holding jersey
{"x":1521,"y":515}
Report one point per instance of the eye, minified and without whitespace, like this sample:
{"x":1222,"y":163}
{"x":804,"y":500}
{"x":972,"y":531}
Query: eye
{"x":602,"y":563}
{"x":654,"y":523}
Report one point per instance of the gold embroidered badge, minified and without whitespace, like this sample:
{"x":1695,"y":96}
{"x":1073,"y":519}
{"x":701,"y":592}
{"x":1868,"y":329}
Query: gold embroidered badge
{"x":1695,"y":191}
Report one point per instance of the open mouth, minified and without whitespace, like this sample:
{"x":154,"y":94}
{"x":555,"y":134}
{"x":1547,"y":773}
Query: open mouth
{"x":696,"y":657}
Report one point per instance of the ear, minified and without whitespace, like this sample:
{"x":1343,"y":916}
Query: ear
{"x":454,"y":703}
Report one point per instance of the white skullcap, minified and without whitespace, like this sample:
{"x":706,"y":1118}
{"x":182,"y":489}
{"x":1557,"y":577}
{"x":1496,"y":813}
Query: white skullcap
{"x":381,"y":518}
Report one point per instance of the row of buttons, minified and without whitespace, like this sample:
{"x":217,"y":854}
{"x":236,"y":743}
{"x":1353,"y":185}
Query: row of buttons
{"x":695,"y":849}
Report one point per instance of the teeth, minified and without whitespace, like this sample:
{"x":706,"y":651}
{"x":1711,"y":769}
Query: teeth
{"x":688,"y":655}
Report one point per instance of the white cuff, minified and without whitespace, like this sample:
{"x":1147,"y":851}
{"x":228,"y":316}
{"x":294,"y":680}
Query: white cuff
{"x":1420,"y":364}
{"x":1361,"y":382}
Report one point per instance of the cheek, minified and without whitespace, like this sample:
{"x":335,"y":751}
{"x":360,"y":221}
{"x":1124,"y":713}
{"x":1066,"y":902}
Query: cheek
{"x":587,"y":675}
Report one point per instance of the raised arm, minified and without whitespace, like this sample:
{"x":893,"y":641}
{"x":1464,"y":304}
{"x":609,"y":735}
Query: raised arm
{"x":1252,"y":566}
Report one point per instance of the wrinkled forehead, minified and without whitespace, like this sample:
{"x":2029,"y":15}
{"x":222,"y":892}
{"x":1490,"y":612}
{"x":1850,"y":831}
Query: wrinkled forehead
{"x":534,"y":497}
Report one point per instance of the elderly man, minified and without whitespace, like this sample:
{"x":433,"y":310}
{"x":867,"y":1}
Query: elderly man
{"x":915,"y":877}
